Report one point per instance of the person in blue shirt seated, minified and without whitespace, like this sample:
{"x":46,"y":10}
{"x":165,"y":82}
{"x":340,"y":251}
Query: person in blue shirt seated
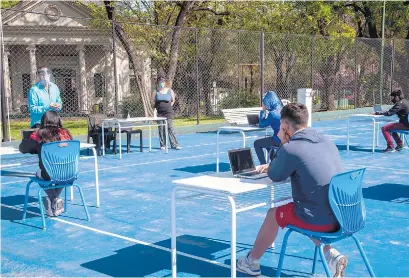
{"x":269,"y":116}
{"x":43,"y":96}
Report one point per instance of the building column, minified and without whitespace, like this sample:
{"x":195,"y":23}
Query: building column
{"x":33,"y":63}
{"x":109,"y":106}
{"x":6,"y":76}
{"x":83,"y":95}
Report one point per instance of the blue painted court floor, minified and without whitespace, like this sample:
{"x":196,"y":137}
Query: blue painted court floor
{"x":129,"y":235}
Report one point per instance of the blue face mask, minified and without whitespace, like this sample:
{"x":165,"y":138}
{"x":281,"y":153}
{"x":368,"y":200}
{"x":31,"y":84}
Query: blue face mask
{"x":162,"y":85}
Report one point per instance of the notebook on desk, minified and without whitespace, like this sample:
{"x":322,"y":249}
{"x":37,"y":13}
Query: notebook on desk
{"x":242,"y":164}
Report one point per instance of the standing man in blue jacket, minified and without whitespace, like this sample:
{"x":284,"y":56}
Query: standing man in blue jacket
{"x":43,"y":96}
{"x":269,"y":116}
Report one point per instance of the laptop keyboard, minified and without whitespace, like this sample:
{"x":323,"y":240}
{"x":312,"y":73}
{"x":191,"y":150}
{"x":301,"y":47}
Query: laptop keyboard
{"x":248,"y":174}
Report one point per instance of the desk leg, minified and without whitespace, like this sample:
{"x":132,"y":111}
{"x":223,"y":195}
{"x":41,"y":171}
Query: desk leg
{"x":373,"y":135}
{"x":378,"y":127}
{"x":272,"y":204}
{"x":120,"y":141}
{"x":233,"y":236}
{"x":348,"y":135}
{"x":150,"y":138}
{"x":244,"y":138}
{"x":71,"y":193}
{"x":173,"y":236}
{"x":96,"y":175}
{"x":103,"y":141}
{"x":217,"y":151}
{"x":166,"y":136}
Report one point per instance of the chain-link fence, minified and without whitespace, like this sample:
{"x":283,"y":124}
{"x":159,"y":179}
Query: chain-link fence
{"x":112,"y":69}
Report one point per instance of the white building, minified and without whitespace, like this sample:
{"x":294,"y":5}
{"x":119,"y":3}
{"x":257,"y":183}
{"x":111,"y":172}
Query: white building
{"x":57,"y":35}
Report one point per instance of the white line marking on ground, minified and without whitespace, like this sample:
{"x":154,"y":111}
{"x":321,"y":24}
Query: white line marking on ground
{"x":125,"y":238}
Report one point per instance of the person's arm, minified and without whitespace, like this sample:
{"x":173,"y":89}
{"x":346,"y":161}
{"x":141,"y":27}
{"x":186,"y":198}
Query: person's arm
{"x":173,"y":97}
{"x":282,"y":166}
{"x":263,"y":120}
{"x":33,"y":103}
{"x":153,"y":97}
{"x":58,"y":99}
{"x":395,"y":109}
{"x":29,"y":146}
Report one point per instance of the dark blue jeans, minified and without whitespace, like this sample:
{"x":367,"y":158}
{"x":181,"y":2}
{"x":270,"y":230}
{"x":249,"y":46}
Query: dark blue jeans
{"x":264,"y":143}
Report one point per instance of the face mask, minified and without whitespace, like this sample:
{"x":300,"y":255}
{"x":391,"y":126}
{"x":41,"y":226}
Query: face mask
{"x":162,"y":85}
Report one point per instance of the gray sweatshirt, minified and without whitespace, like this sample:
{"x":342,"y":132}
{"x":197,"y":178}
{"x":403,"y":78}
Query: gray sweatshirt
{"x":310,"y":159}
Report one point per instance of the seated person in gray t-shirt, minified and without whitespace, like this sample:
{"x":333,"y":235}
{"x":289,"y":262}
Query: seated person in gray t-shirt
{"x":310,"y":159}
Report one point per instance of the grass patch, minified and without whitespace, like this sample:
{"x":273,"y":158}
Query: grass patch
{"x":79,"y":126}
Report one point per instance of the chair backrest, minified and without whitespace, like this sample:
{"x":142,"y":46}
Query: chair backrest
{"x":61,"y":160}
{"x":238,"y":116}
{"x":346,"y":200}
{"x":95,"y":121}
{"x":285,"y":102}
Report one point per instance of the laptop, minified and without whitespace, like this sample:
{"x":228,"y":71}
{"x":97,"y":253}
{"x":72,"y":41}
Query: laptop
{"x":242,"y":164}
{"x":253,"y":119}
{"x":377,"y":108}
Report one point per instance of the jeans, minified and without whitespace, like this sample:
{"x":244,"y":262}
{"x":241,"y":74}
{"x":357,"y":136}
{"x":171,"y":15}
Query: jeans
{"x":171,"y":131}
{"x":264,"y":143}
{"x":386,"y":131}
{"x":51,"y":193}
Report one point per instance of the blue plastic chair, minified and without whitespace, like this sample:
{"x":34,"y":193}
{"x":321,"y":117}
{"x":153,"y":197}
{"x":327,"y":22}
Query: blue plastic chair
{"x":404,"y":134}
{"x":61,"y":161}
{"x":347,"y":204}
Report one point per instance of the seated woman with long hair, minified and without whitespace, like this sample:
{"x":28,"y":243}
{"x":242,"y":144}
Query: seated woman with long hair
{"x":50,"y":130}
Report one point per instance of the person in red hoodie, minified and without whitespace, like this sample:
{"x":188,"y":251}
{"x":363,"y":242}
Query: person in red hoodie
{"x":50,"y":130}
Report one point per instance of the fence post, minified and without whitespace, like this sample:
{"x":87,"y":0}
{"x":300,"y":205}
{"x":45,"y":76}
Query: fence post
{"x":5,"y":133}
{"x":261,"y":66}
{"x":356,"y":78}
{"x":392,"y":64}
{"x":304,"y":96}
{"x":115,"y":71}
{"x":197,"y":78}
{"x":311,"y":57}
{"x":238,"y":65}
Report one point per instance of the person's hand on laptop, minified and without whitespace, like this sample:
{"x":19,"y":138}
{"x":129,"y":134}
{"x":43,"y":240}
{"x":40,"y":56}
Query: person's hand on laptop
{"x":262,"y":168}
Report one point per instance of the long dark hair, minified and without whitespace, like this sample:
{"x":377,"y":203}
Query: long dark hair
{"x":50,"y":128}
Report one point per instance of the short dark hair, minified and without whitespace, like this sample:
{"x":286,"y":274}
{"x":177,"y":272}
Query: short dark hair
{"x":397,"y":93}
{"x":296,"y":114}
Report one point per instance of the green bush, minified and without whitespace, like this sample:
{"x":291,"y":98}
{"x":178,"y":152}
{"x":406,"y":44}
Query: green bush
{"x":132,"y":105}
{"x":235,"y":99}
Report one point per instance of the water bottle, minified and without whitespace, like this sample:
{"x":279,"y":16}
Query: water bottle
{"x":155,"y":113}
{"x":128,"y":116}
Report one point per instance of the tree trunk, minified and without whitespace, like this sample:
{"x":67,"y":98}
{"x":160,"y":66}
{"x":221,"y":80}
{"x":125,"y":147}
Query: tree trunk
{"x":174,"y":46}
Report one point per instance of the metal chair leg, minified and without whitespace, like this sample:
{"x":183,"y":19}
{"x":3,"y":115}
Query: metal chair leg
{"x":83,"y":201}
{"x":26,"y":200}
{"x":65,"y":201}
{"x":141,"y":141}
{"x":40,"y":201}
{"x":324,"y":262}
{"x":282,"y":253}
{"x":314,"y":264}
{"x":128,"y":142}
{"x":363,"y":255}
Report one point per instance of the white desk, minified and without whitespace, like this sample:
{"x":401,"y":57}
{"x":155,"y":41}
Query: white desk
{"x":13,"y":151}
{"x":134,"y":122}
{"x":376,"y":121}
{"x":223,"y":185}
{"x":238,"y":129}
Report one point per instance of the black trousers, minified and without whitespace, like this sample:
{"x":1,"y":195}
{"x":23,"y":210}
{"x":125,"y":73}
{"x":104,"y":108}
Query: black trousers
{"x":264,"y":143}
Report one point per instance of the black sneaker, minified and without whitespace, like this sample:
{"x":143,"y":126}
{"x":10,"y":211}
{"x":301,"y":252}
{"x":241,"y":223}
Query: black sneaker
{"x":399,"y":148}
{"x":389,"y":150}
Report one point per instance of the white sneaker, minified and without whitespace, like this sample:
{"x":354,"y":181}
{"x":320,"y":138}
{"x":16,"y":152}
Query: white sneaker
{"x":251,"y":268}
{"x":162,"y":148}
{"x":336,"y":262}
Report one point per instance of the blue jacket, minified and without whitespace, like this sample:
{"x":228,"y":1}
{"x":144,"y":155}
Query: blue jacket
{"x":39,"y":100}
{"x":310,"y":159}
{"x":271,"y":117}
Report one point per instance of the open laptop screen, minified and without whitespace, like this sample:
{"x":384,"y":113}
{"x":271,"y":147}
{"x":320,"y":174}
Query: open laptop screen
{"x":377,"y":108}
{"x":241,"y":160}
